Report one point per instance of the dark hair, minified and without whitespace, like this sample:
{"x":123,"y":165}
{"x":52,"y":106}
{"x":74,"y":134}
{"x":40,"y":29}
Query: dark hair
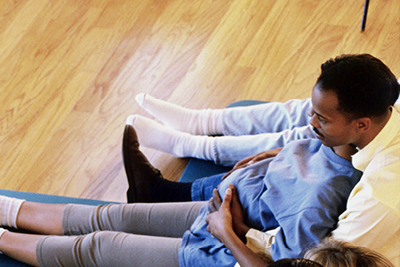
{"x":364,"y":85}
{"x":295,"y":263}
{"x":333,"y":253}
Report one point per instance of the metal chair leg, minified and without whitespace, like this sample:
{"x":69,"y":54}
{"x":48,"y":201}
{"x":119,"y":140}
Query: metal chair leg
{"x":364,"y":18}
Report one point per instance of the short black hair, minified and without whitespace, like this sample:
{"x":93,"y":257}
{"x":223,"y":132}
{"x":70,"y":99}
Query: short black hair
{"x":364,"y":85}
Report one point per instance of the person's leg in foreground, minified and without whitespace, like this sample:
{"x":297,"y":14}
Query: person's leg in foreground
{"x":95,"y":235}
{"x":99,"y":235}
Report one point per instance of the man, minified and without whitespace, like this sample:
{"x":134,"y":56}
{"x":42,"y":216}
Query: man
{"x":353,"y":104}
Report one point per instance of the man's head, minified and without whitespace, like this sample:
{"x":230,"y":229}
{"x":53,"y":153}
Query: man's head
{"x":352,"y":99}
{"x":364,"y":85}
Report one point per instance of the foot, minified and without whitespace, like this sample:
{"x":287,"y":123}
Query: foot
{"x":192,"y":121}
{"x":140,"y":173}
{"x":162,"y":138}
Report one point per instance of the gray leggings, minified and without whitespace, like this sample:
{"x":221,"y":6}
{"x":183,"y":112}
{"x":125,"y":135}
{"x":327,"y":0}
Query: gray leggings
{"x":119,"y":235}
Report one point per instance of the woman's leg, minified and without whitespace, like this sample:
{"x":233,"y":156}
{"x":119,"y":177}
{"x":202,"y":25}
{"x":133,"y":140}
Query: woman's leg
{"x":102,"y":248}
{"x":167,"y":219}
{"x":35,"y":217}
{"x":41,"y":218}
{"x":231,"y":149}
{"x":156,"y":219}
{"x":19,"y":246}
{"x":270,"y":117}
{"x":180,"y":144}
{"x":157,"y":230}
{"x":225,"y":150}
{"x":196,"y":122}
{"x":106,"y":248}
{"x":264,"y":118}
{"x":248,"y":130}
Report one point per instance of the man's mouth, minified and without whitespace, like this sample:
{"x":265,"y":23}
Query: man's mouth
{"x":319,"y":135}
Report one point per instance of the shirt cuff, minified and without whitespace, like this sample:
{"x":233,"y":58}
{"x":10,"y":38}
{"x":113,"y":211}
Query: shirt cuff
{"x":260,"y":242}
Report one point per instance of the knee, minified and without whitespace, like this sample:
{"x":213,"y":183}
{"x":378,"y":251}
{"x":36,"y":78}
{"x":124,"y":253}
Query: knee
{"x":98,"y":248}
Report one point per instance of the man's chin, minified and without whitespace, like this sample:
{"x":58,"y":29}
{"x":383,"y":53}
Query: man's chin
{"x":324,"y":141}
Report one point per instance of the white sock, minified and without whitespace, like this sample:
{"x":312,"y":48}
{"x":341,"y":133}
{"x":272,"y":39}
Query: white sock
{"x":157,"y":136}
{"x":197,"y":122}
{"x":9,"y":208}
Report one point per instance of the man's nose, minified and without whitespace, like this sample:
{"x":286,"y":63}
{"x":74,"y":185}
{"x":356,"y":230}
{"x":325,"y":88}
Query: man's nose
{"x":314,"y":121}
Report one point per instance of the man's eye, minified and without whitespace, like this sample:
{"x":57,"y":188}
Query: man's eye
{"x":321,"y":120}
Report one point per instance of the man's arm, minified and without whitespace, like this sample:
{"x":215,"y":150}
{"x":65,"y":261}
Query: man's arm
{"x":370,"y":224}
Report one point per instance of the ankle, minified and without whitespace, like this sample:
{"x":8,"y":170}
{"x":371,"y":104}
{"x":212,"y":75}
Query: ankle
{"x":168,"y":191}
{"x":9,"y":209}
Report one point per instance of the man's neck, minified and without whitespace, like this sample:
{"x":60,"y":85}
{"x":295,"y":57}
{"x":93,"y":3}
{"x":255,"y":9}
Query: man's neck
{"x":375,"y":130}
{"x":345,"y":151}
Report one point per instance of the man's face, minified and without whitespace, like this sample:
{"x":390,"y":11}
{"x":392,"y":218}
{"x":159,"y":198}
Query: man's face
{"x":330,"y":125}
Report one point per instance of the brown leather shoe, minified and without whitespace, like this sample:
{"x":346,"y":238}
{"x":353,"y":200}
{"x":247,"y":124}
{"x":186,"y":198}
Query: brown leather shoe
{"x":140,"y":173}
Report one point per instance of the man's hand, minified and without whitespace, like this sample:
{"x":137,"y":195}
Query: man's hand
{"x":221,"y":225}
{"x":215,"y":202}
{"x":231,"y":201}
{"x":253,"y":159}
{"x":220,"y":218}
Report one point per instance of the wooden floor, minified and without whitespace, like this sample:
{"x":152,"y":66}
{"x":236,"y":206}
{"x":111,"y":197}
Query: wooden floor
{"x":69,"y":71}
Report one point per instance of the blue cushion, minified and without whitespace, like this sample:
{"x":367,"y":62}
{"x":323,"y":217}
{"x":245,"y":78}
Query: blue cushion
{"x":197,"y":168}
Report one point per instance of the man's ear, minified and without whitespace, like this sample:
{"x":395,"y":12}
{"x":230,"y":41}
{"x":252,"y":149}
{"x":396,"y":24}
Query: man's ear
{"x":363,"y":124}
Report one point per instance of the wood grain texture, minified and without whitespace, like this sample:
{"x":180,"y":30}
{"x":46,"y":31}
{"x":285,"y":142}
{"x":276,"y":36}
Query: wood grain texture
{"x":69,"y":72}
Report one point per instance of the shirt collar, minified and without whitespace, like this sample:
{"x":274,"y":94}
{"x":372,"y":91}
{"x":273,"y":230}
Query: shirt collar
{"x":385,"y":137}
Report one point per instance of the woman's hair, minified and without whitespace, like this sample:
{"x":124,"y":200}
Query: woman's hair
{"x":295,"y":263}
{"x":364,"y":85}
{"x":333,"y":253}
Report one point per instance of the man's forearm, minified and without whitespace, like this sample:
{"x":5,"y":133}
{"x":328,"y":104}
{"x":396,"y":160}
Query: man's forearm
{"x":243,"y":255}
